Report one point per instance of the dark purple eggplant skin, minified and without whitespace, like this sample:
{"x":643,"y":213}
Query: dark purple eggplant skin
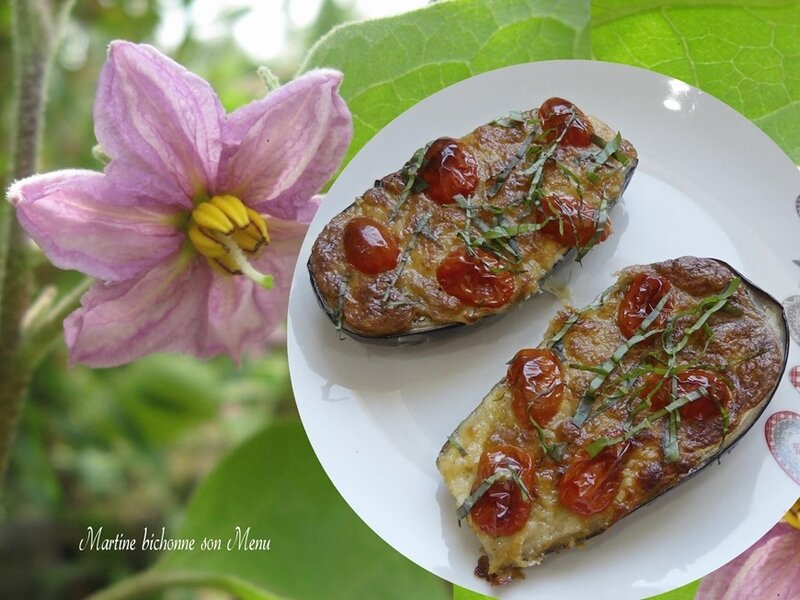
{"x":438,"y":332}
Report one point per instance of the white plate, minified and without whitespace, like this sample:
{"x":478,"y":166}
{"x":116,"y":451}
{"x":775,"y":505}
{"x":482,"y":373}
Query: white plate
{"x":709,"y":183}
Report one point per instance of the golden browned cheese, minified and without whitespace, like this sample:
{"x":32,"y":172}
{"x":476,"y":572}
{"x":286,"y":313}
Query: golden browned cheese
{"x":744,"y":344}
{"x":410,"y":298}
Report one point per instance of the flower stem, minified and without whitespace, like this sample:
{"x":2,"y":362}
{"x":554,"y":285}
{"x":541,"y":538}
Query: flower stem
{"x":36,"y":27}
{"x":38,"y":340}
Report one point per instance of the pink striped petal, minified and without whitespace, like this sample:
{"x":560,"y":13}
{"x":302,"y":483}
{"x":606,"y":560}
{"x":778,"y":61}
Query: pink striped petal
{"x":160,"y":124}
{"x":76,"y":220}
{"x":279,"y":151}
{"x":769,"y":569}
{"x":162,"y":311}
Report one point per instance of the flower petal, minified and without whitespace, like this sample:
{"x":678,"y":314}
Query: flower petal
{"x":768,"y":569}
{"x":159,"y":123}
{"x":280,"y":150}
{"x":243,"y":316}
{"x":163,"y":311}
{"x":73,"y":217}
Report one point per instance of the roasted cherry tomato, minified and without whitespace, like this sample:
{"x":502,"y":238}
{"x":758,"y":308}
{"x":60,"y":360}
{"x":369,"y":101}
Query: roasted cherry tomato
{"x":555,"y":115}
{"x":369,"y":246}
{"x":449,"y":169}
{"x":717,"y":393}
{"x":503,"y":509}
{"x":644,"y":293}
{"x":537,"y":386}
{"x":590,"y":484}
{"x":476,"y":280}
{"x":569,"y":220}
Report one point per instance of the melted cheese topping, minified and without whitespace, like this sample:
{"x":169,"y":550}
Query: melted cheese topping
{"x":415,"y":300}
{"x":746,"y":332}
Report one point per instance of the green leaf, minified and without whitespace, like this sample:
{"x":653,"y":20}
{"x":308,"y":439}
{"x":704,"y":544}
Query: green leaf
{"x":686,"y":592}
{"x":743,"y":52}
{"x":318,"y":547}
{"x":460,"y":593}
{"x":391,"y":64}
{"x":160,"y":398}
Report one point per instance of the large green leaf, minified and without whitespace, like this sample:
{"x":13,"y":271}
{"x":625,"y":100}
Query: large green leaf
{"x":391,"y":64}
{"x":318,"y":547}
{"x":746,"y":53}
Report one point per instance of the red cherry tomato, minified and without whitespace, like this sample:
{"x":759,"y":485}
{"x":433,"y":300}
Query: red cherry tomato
{"x":449,"y":169}
{"x":503,"y":509}
{"x":555,"y":114}
{"x":480,"y":280}
{"x":537,"y":386}
{"x":717,"y":393}
{"x":569,"y":221}
{"x":590,"y":484}
{"x":644,"y":293}
{"x":369,"y":246}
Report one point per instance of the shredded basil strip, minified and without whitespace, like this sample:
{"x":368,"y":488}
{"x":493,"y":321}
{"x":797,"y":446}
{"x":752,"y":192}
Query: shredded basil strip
{"x":564,"y":329}
{"x":339,"y":312}
{"x":717,"y":302}
{"x":585,"y":405}
{"x":456,"y":444}
{"x":554,"y":451}
{"x":670,"y":439}
{"x":515,"y":160}
{"x":590,"y":368}
{"x":412,"y":241}
{"x":410,"y":171}
{"x":507,"y":231}
{"x":575,"y":317}
{"x":610,"y":148}
{"x":599,"y":227}
{"x":601,"y":143}
{"x":597,"y":446}
{"x":537,"y":168}
{"x":499,"y":475}
{"x":514,"y":117}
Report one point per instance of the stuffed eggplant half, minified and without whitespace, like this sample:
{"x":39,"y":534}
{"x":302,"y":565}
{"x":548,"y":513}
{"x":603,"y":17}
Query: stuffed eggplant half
{"x":622,"y":401}
{"x":469,"y":227}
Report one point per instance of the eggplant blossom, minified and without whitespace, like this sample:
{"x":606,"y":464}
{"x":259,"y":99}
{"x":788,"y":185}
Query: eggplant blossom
{"x":192,"y":229}
{"x":768,"y":569}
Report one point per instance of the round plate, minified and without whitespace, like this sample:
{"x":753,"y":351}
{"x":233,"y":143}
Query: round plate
{"x":709,"y":183}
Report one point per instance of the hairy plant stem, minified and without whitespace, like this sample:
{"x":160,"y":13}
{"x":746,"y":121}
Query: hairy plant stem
{"x":36,"y":27}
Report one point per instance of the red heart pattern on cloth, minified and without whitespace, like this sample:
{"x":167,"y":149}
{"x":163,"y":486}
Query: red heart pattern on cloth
{"x":783,"y":438}
{"x":794,"y":377}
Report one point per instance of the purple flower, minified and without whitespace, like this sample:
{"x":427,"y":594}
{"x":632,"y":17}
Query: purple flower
{"x":768,"y":569}
{"x":196,"y":213}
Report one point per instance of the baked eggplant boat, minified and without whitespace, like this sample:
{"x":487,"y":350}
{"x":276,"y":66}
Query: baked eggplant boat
{"x":469,"y":227}
{"x":622,"y":401}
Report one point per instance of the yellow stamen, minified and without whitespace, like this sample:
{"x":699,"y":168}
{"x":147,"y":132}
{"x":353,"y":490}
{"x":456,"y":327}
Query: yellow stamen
{"x":205,"y":244}
{"x":233,"y":209}
{"x":793,"y":516}
{"x":212,"y":218}
{"x":223,"y":229}
{"x":257,"y":220}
